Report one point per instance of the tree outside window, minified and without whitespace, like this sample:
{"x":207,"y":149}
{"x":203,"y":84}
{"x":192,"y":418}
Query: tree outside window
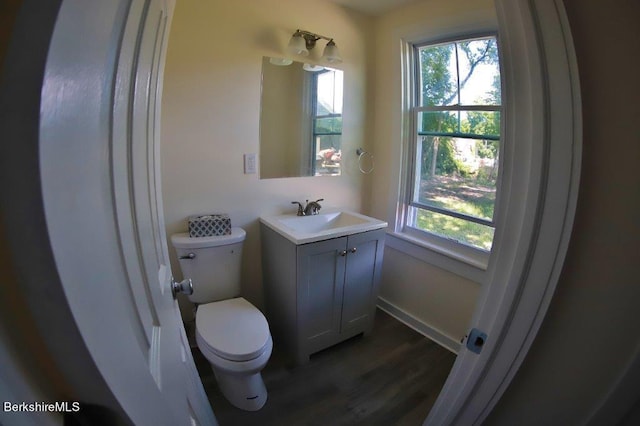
{"x":457,"y":116}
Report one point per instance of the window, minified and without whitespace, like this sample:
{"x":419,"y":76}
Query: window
{"x":326,"y":121}
{"x":456,"y":115}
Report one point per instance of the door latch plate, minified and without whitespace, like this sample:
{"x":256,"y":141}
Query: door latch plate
{"x":476,"y":340}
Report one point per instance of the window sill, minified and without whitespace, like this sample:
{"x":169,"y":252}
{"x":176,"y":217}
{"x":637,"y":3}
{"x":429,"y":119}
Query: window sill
{"x":471,"y":265}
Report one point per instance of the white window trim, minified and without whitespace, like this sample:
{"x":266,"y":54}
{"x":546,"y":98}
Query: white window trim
{"x":457,"y":250}
{"x":468,"y":267}
{"x":456,"y":257}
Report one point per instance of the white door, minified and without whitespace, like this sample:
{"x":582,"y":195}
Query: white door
{"x":101,"y":190}
{"x":540,"y":189}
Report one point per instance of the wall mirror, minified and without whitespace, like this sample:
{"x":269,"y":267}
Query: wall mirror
{"x":300,"y":120}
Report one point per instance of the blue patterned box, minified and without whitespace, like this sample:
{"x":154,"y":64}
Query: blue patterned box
{"x":209,"y":225}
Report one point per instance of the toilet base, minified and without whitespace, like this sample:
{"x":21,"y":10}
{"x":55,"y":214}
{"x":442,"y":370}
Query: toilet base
{"x":246,"y":392}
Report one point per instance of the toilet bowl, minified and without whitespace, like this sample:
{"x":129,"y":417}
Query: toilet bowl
{"x":232,"y":334}
{"x":234,"y":337}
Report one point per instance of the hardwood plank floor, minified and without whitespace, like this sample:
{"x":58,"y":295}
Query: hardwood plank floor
{"x":391,"y":377}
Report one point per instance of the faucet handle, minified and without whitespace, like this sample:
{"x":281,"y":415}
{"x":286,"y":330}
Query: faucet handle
{"x":313,"y":207}
{"x":300,"y":208}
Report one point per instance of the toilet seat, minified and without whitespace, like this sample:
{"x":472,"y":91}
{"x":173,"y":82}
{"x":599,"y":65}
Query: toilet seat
{"x":232,"y":329}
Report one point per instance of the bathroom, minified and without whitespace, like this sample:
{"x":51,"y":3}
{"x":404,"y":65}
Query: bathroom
{"x":211,"y":119}
{"x":596,"y":296}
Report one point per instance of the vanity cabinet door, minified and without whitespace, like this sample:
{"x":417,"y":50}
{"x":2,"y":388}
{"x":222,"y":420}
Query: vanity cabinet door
{"x":321,"y":274}
{"x":362,"y":277}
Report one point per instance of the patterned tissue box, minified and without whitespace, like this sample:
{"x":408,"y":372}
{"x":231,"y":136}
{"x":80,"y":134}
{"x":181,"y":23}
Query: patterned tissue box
{"x":209,"y":225}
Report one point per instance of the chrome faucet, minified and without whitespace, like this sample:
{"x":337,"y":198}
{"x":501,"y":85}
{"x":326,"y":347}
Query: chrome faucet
{"x":310,"y":209}
{"x":313,"y":207}
{"x":300,"y":208}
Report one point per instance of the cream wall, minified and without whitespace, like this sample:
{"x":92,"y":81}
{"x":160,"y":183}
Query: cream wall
{"x":211,"y":108}
{"x":442,"y":301}
{"x":439,"y":299}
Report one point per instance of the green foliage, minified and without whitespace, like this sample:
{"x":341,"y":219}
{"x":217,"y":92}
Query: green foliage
{"x":435,"y":82}
{"x":479,"y":52}
{"x":446,"y":162}
{"x":439,"y":121}
{"x":464,"y":231}
{"x":487,"y":149}
{"x":486,"y":176}
{"x":328,"y":125}
{"x":482,"y":123}
{"x":438,"y":87}
{"x":462,"y":195}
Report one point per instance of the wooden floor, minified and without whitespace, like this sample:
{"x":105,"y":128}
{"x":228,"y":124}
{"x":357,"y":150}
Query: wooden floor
{"x":391,"y":377}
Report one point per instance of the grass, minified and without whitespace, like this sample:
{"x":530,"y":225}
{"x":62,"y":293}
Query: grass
{"x":462,"y":195}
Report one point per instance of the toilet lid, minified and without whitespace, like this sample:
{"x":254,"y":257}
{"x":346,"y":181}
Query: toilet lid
{"x":233,"y":329}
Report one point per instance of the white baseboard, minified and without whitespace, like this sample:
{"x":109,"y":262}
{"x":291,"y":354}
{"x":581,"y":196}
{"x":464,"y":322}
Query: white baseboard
{"x":410,"y":321}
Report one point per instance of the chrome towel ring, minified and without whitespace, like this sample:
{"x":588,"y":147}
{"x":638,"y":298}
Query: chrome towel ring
{"x":368,"y":158}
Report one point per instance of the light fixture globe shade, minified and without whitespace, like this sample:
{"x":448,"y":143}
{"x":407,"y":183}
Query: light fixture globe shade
{"x":297,"y":45}
{"x":312,"y":68}
{"x":331,"y":53}
{"x":281,"y":62}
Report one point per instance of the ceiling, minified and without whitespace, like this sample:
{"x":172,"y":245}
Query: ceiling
{"x":371,"y":7}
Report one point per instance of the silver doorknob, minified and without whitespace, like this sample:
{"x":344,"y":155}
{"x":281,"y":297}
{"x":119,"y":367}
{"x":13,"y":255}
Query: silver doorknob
{"x":184,"y":287}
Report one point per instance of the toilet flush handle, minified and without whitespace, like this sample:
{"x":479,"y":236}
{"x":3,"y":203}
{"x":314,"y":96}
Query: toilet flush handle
{"x":184,"y":287}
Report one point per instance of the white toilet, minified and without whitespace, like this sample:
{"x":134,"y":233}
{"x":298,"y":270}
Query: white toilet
{"x":231,"y":333}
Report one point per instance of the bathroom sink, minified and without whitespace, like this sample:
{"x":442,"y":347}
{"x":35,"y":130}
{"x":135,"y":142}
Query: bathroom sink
{"x":323,"y":226}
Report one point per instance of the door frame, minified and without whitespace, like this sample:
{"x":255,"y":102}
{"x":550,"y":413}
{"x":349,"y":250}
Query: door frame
{"x":484,"y":377}
{"x":542,"y":95}
{"x":43,"y":355}
{"x":61,"y":227}
{"x":90,"y":91}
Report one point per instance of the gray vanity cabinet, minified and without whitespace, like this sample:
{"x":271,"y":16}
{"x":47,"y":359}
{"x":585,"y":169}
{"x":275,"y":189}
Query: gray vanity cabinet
{"x":321,"y":293}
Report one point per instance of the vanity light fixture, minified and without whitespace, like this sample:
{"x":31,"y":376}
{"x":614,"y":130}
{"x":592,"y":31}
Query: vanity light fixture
{"x":281,"y":62}
{"x":312,"y":68}
{"x":303,"y":41}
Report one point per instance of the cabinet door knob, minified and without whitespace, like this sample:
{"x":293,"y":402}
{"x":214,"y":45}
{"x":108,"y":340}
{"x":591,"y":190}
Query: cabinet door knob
{"x":342,"y":253}
{"x":353,"y":250}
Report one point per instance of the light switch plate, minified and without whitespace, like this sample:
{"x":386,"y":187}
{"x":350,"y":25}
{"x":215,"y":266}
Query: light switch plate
{"x":249,"y":164}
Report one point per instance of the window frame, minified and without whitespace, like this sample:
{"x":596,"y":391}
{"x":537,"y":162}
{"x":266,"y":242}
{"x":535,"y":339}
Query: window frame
{"x":314,"y":117}
{"x":446,"y":249}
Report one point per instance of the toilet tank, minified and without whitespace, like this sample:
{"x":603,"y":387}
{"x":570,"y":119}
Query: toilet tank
{"x":212,"y":263}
